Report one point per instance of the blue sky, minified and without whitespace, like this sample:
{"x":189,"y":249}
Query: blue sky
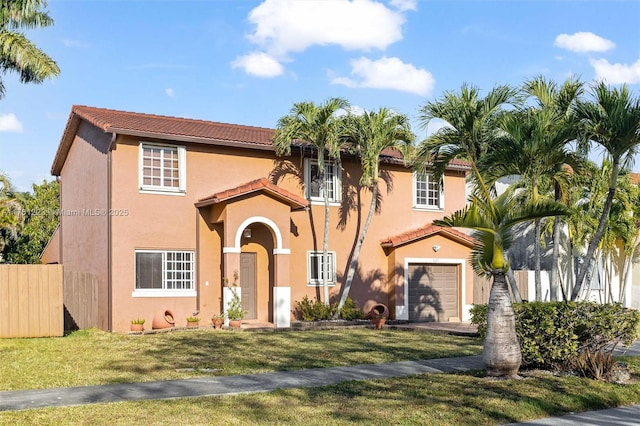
{"x":247,"y":62}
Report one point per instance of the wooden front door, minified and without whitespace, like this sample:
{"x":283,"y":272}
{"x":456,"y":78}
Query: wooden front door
{"x":248,"y":284}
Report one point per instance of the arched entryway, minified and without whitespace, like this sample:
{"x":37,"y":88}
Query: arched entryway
{"x":257,"y":271}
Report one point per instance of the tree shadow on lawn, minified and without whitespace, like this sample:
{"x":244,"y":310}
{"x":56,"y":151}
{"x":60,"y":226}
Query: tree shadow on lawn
{"x":229,"y":352}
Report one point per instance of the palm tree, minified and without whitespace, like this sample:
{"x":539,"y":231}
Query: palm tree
{"x":560,"y":101}
{"x":612,"y":120}
{"x":369,"y":135}
{"x":319,"y":126}
{"x":492,"y":222}
{"x":471,"y":125}
{"x":10,"y":213}
{"x":17,"y":53}
{"x":532,"y":145}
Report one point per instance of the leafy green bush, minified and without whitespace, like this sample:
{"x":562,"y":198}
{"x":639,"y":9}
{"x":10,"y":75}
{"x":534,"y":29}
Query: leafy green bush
{"x":557,"y":334}
{"x":350,"y":311}
{"x":307,"y":310}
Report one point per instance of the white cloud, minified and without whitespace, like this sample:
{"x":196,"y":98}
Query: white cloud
{"x":403,"y":5}
{"x":10,"y":123}
{"x":583,"y":42}
{"x":616,"y":73}
{"x":388,"y":73}
{"x":75,"y":43}
{"x":259,"y":64}
{"x":170,"y":92}
{"x":283,"y":26}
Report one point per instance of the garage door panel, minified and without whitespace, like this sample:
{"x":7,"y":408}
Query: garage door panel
{"x":433,"y":292}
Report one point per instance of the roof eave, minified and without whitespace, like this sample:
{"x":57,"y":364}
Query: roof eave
{"x":191,"y":139}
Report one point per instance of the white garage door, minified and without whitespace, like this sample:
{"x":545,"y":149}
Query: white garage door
{"x":433,"y":292}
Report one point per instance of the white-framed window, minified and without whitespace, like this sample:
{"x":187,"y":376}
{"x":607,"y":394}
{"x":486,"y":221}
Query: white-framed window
{"x":332,"y":177}
{"x":315,"y":268}
{"x":427,"y":192}
{"x":162,"y":168}
{"x":164,"y":273}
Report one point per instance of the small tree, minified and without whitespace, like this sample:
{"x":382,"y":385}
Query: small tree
{"x":492,"y":222}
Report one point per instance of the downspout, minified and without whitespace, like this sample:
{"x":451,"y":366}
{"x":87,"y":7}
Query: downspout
{"x":112,"y":145}
{"x":197,"y":272}
{"x":60,"y":216}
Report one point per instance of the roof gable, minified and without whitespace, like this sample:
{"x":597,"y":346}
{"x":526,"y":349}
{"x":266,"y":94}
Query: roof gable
{"x":425,"y":232}
{"x":258,"y":185}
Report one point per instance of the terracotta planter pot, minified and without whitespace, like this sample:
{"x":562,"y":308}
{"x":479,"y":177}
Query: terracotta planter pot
{"x":217,"y":323}
{"x":137,"y":328}
{"x":235,"y":323}
{"x":163,"y":319}
{"x":378,"y":322}
{"x":193,"y":324}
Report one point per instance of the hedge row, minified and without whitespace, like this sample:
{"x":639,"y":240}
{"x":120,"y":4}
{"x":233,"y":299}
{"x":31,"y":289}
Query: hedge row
{"x":556,"y":334}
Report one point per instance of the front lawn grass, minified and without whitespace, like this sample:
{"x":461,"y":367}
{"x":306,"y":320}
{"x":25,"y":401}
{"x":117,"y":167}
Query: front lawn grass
{"x":430,"y":399}
{"x":92,"y":357}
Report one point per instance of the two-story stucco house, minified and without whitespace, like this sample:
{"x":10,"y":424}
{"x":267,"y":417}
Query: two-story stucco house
{"x":162,"y":209}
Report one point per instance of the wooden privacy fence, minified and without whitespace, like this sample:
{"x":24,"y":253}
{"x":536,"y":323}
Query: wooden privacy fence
{"x":80,"y":300}
{"x":31,"y":301}
{"x":482,"y":287}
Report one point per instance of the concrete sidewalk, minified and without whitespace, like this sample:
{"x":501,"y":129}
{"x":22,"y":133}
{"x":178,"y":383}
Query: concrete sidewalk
{"x":622,"y":416}
{"x":229,"y":385}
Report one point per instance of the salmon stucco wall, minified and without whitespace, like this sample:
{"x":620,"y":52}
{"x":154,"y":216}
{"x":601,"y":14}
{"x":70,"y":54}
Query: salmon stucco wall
{"x":84,"y":215}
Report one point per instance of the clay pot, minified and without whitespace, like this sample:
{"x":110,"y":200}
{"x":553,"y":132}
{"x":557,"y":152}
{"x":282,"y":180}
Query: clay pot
{"x":163,"y":319}
{"x":217,"y":323}
{"x":137,"y":328}
{"x":235,"y":323}
{"x":193,"y":324}
{"x":378,"y":322}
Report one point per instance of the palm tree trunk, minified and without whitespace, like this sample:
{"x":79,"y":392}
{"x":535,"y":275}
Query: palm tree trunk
{"x":517,"y":297}
{"x":356,"y":251}
{"x":555,"y":273}
{"x":325,"y":240}
{"x":536,"y":248}
{"x":588,"y":259}
{"x":501,"y":350}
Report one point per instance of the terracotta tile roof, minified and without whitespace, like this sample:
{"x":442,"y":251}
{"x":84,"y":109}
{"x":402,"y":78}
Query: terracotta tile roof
{"x":426,"y":231}
{"x":122,"y":121}
{"x":261,"y":184}
{"x":178,"y":129}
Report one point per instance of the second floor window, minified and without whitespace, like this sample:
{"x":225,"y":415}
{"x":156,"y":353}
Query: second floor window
{"x":427,"y":192}
{"x":314,"y":190}
{"x":162,"y":168}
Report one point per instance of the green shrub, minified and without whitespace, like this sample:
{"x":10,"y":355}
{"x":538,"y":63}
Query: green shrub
{"x":350,"y":311}
{"x":558,"y":334}
{"x":307,"y":310}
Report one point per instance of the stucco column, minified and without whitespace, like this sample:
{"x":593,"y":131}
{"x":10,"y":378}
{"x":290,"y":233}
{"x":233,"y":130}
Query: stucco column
{"x":281,"y":291}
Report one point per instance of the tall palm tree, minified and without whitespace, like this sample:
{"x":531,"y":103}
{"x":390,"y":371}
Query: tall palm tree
{"x":611,"y":120}
{"x":369,"y":135}
{"x":492,"y":222}
{"x":320,"y":126}
{"x":471,"y":124}
{"x":17,"y":53}
{"x":532,"y":145}
{"x":561,"y":102}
